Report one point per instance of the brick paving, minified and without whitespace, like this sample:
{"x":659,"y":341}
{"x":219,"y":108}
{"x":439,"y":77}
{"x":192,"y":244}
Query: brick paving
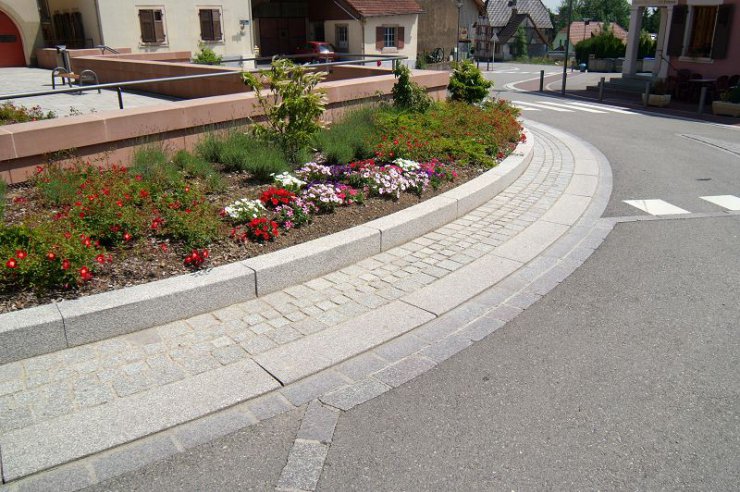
{"x":48,"y":386}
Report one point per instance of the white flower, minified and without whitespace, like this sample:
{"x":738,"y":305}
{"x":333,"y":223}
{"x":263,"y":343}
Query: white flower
{"x":288,"y":181}
{"x":406,"y":164}
{"x":245,"y":209}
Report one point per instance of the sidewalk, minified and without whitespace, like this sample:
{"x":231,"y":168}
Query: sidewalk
{"x":115,"y":405}
{"x":17,"y":80}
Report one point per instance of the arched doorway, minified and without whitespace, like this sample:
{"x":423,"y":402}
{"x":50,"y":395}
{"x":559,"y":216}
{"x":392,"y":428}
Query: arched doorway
{"x":11,"y":43}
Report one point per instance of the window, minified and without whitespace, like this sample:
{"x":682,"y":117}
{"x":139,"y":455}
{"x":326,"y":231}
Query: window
{"x":210,"y":24}
{"x":700,"y":31}
{"x":151,"y":22}
{"x":342,"y":38}
{"x":389,"y":37}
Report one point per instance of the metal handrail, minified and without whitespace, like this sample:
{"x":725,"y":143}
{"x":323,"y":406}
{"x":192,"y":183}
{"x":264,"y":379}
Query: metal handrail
{"x":120,"y":85}
{"x":103,"y":48}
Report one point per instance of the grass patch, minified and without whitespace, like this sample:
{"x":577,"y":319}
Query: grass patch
{"x":239,"y":151}
{"x":3,"y":192}
{"x":352,"y":138}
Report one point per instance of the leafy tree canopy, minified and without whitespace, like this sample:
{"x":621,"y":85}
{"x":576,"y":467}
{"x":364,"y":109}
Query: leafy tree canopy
{"x":616,"y":11}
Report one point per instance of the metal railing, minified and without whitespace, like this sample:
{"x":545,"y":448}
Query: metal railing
{"x":119,"y":86}
{"x":103,"y":48}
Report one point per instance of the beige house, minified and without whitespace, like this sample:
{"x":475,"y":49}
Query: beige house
{"x":352,"y":26}
{"x":141,"y":25}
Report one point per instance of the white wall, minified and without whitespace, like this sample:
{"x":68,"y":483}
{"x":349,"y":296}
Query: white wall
{"x":120,"y":25}
{"x":410,"y":24}
{"x":25,"y":15}
{"x":354,"y":32}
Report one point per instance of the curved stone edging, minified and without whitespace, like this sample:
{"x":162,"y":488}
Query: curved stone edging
{"x":57,"y":326}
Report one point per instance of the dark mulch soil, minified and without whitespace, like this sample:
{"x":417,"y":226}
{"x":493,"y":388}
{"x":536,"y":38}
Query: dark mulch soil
{"x":145,"y":262}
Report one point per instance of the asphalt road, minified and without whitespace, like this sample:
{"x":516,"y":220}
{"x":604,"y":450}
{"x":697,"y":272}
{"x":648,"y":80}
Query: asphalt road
{"x":625,"y":376}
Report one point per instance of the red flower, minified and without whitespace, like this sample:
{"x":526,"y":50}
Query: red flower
{"x":85,"y":274}
{"x":21,"y":254}
{"x":11,"y":263}
{"x":138,"y":177}
{"x":100,"y":259}
{"x":66,"y":264}
{"x":163,"y":247}
{"x":143,"y":193}
{"x":127,"y":236}
{"x":51,"y":256}
{"x":272,"y":197}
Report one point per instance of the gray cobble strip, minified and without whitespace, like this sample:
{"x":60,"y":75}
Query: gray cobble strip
{"x":50,"y":385}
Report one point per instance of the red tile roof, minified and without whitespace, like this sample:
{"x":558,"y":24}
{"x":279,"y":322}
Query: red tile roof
{"x":579,"y":31}
{"x":375,"y":8}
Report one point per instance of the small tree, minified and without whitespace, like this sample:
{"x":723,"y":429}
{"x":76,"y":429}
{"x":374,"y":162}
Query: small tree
{"x":467,"y":83}
{"x":520,"y":42}
{"x":292,"y":107}
{"x":407,"y":94}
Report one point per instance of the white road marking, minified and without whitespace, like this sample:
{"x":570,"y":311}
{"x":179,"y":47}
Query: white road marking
{"x":730,"y":202}
{"x":568,"y":106}
{"x":524,"y":108}
{"x":656,"y":207}
{"x":613,"y":109}
{"x":542,"y":106}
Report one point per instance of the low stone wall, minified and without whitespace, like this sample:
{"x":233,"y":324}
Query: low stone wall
{"x":50,"y":58}
{"x":110,"y":137}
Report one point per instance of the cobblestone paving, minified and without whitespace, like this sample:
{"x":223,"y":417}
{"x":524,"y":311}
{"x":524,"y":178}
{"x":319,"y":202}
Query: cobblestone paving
{"x":51,"y":385}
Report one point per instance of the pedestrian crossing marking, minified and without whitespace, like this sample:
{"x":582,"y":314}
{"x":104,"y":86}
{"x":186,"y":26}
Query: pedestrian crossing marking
{"x":542,"y":106}
{"x":523,"y":108}
{"x":613,"y":109}
{"x":561,"y":105}
{"x":656,"y":207}
{"x":730,"y":202}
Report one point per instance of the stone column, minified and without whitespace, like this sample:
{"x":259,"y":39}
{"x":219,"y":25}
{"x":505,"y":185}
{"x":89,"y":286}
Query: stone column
{"x":633,"y":41}
{"x":660,"y":69}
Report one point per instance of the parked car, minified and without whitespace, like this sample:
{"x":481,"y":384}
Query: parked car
{"x":320,"y":51}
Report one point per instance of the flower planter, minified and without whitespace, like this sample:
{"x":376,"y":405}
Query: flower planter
{"x":659,"y":100}
{"x":726,"y":108}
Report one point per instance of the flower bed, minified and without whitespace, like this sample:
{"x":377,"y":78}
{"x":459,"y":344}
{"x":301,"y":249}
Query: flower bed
{"x":80,"y":230}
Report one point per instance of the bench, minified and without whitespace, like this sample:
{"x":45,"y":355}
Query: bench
{"x":86,"y":76}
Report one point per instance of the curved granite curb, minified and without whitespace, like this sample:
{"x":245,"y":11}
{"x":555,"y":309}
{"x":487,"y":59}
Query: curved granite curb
{"x":56,"y":326}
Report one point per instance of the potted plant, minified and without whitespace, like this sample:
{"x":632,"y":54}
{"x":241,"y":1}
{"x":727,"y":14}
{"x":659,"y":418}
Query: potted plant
{"x":657,"y":96}
{"x":729,"y":103}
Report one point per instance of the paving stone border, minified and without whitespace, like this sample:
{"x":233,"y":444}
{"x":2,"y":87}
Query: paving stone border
{"x":357,"y":371}
{"x":56,"y":326}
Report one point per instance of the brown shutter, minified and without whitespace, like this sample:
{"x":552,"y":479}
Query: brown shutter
{"x":379,"y":38}
{"x":678,"y":26}
{"x":399,"y":37}
{"x":217,"y":34}
{"x":206,"y":26}
{"x":721,"y":40}
{"x":159,"y":25}
{"x":146,"y":22}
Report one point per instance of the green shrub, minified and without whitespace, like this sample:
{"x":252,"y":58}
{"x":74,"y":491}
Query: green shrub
{"x":152,"y":163}
{"x":603,"y":45}
{"x":196,"y":167}
{"x":209,"y":148}
{"x":206,"y":56}
{"x":453,"y":131}
{"x":293,"y":106}
{"x":731,"y":95}
{"x":407,"y":94}
{"x":467,"y":83}
{"x":240,"y":151}
{"x":351,"y":138}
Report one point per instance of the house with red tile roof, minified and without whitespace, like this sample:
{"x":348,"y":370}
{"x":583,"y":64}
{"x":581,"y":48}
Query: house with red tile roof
{"x":582,"y":30}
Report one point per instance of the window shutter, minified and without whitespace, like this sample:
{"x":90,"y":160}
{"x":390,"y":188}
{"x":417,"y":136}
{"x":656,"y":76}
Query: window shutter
{"x":146,"y":22}
{"x":217,"y":34}
{"x":379,"y":42}
{"x":159,"y":26}
{"x":678,"y":26}
{"x":721,"y":40}
{"x":399,"y":37}
{"x":206,"y":26}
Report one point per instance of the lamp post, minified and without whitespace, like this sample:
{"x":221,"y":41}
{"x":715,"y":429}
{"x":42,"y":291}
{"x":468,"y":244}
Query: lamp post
{"x":459,"y":4}
{"x":567,"y":45}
